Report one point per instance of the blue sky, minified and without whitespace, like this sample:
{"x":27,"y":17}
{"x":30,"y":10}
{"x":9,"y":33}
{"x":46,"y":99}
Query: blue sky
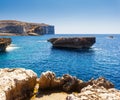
{"x":68,"y":16}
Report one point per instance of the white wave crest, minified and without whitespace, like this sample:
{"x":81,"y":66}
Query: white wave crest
{"x":42,"y":41}
{"x":11,"y":47}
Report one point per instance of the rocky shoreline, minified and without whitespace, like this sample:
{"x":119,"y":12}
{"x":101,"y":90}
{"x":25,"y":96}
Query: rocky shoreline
{"x":19,"y":84}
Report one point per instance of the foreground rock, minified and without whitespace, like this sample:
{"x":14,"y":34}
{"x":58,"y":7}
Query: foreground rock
{"x":75,"y":42}
{"x":67,"y":83}
{"x":48,"y":81}
{"x":4,"y":42}
{"x":16,"y":84}
{"x":96,"y":93}
{"x":99,"y":89}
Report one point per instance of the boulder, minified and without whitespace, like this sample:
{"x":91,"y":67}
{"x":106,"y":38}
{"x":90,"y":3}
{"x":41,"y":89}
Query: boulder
{"x":48,"y":81}
{"x":70,"y":83}
{"x":4,"y":42}
{"x":16,"y":84}
{"x":96,"y":93}
{"x":73,"y":42}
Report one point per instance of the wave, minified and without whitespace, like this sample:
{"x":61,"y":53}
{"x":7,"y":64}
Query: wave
{"x":96,"y":49}
{"x":11,"y":47}
{"x":42,"y":41}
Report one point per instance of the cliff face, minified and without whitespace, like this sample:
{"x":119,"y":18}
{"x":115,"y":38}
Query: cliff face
{"x":24,"y":28}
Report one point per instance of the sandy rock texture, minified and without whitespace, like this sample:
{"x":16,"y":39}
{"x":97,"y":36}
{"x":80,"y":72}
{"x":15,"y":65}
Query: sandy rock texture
{"x":16,"y":84}
{"x":96,"y":93}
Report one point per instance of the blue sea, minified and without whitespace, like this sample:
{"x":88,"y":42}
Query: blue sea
{"x":34,"y":52}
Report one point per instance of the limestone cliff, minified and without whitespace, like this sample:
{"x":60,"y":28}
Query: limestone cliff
{"x":25,"y":28}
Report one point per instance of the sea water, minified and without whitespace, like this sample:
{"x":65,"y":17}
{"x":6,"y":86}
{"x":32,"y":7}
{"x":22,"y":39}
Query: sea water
{"x":34,"y":52}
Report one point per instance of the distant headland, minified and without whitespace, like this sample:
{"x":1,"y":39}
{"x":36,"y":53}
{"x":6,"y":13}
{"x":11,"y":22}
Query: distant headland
{"x":13,"y":27}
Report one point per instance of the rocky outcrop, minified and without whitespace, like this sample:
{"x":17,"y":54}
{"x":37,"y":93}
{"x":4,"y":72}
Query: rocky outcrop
{"x":67,"y":83}
{"x":24,"y":28}
{"x":48,"y":81}
{"x":73,"y":42}
{"x":96,"y":93}
{"x":99,"y":89}
{"x":16,"y":84}
{"x":4,"y":42}
{"x":101,"y":82}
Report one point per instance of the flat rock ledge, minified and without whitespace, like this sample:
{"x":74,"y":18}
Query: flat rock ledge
{"x":4,"y":42}
{"x":73,"y":42}
{"x":16,"y":84}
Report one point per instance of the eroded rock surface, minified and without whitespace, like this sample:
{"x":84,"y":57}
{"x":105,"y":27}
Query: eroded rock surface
{"x":16,"y":84}
{"x":96,"y":93}
{"x":48,"y":81}
{"x":68,"y":83}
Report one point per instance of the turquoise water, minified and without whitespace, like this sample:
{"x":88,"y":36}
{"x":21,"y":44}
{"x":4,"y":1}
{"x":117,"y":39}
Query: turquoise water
{"x":34,"y":52}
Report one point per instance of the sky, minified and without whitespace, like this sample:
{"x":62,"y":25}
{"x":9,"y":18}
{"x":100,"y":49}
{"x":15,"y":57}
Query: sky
{"x":68,"y":16}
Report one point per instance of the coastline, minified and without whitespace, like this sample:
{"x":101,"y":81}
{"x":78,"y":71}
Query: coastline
{"x":8,"y":34}
{"x":24,"y":84}
{"x":16,"y":34}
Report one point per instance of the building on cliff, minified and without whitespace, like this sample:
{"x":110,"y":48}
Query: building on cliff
{"x":24,"y":28}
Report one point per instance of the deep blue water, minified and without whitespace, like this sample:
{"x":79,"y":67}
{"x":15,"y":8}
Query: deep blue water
{"x":34,"y":52}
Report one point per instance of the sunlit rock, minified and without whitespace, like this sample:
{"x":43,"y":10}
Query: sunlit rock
{"x":96,"y":93}
{"x":16,"y":84}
